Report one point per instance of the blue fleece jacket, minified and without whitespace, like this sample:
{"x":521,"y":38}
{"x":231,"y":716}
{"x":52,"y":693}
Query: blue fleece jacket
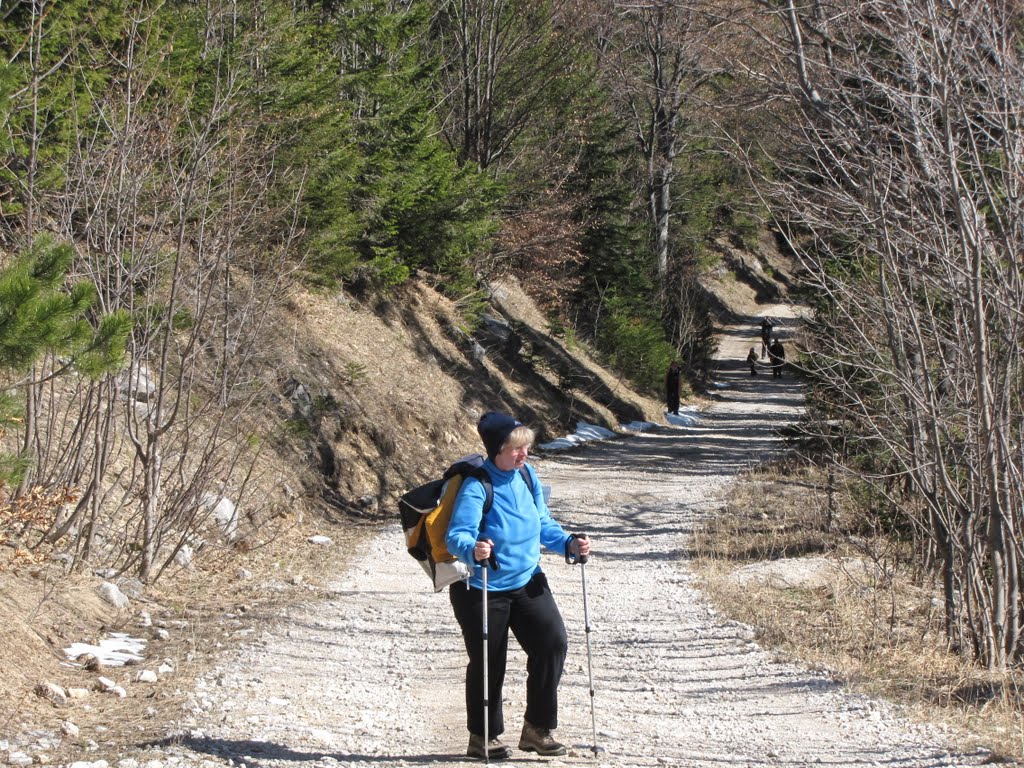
{"x":518,"y":523}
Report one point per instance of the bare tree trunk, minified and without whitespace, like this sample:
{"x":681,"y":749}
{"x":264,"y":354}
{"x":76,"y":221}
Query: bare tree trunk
{"x":660,"y":56}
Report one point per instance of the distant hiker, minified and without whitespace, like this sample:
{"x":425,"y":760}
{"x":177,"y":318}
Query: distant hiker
{"x":752,"y":359}
{"x":767,"y":324}
{"x":777,"y":358}
{"x":672,"y":383}
{"x":510,"y":537}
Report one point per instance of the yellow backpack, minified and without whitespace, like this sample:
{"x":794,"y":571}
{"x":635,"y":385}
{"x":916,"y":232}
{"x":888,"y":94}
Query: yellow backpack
{"x":426,"y":510}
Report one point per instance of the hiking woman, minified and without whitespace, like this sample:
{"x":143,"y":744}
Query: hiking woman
{"x":518,"y":597}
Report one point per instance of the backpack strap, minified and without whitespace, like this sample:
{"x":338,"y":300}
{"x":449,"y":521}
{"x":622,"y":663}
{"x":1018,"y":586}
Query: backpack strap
{"x":485,"y":480}
{"x":527,"y":477}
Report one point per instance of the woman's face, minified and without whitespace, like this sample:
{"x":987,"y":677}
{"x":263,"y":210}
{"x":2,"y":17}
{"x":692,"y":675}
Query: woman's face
{"x":511,"y":457}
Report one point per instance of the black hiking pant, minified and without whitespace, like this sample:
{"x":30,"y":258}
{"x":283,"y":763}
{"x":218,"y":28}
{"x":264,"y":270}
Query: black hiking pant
{"x":530,"y":612}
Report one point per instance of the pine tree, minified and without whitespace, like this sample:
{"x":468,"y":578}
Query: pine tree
{"x":39,"y":314}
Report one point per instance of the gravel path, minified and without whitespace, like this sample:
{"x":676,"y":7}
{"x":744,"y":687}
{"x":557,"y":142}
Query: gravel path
{"x":373,"y":676}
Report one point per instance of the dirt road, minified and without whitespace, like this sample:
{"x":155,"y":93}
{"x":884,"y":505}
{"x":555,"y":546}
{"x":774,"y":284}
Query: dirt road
{"x":374,"y":675}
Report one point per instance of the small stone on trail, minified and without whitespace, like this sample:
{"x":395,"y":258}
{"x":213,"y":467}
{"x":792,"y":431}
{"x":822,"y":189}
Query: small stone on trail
{"x":105,"y":683}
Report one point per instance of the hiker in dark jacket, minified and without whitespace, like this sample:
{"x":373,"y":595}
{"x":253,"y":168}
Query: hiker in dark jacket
{"x":767,"y":324}
{"x":777,"y":358}
{"x":672,"y":382}
{"x":518,"y":597}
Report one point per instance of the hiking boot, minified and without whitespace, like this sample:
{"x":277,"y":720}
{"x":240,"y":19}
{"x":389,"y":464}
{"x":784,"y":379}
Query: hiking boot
{"x":497,"y":749}
{"x":539,"y":740}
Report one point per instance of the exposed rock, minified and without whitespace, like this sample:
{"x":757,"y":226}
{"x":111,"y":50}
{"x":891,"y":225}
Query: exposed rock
{"x":137,"y":384}
{"x":805,"y":572}
{"x":224,"y":513}
{"x":90,"y":661}
{"x":184,"y":556}
{"x":114,"y":596}
{"x":53,"y":692}
{"x":131,"y":587}
{"x":105,"y":683}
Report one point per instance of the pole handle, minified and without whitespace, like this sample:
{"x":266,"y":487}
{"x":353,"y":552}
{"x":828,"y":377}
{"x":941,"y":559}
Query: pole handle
{"x":570,"y":558}
{"x":492,"y":559}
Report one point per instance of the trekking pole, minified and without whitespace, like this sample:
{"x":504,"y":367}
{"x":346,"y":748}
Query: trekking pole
{"x":487,"y":713}
{"x":491,"y":562}
{"x":581,"y":560}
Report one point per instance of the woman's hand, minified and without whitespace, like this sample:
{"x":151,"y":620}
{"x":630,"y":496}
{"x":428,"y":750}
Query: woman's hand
{"x":579,"y":546}
{"x":483,"y":549}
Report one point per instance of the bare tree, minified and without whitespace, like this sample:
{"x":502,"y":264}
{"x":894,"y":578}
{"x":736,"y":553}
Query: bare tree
{"x":171,"y":195}
{"x":901,"y":191}
{"x":660,"y":55}
{"x":502,"y":61}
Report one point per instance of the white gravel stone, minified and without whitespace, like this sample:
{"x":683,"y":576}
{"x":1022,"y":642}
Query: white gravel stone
{"x":70,"y":729}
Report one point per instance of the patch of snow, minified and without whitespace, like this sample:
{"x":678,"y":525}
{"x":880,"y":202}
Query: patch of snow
{"x":637,"y":426}
{"x":687,"y":417}
{"x":113,"y":651}
{"x":584,"y":432}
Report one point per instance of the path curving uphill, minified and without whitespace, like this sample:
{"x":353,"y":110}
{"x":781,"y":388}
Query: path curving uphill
{"x":374,"y":675}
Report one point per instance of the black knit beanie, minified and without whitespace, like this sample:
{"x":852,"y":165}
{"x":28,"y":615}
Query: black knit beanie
{"x":494,"y":429}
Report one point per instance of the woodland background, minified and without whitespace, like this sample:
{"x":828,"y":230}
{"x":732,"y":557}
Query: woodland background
{"x":182,"y":182}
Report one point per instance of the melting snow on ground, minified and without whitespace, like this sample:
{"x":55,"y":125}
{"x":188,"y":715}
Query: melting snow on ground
{"x":687,"y":417}
{"x":113,"y":651}
{"x":583,"y":433}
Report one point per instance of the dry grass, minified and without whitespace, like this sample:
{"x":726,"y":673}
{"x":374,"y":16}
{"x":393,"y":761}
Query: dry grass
{"x":876,"y":626}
